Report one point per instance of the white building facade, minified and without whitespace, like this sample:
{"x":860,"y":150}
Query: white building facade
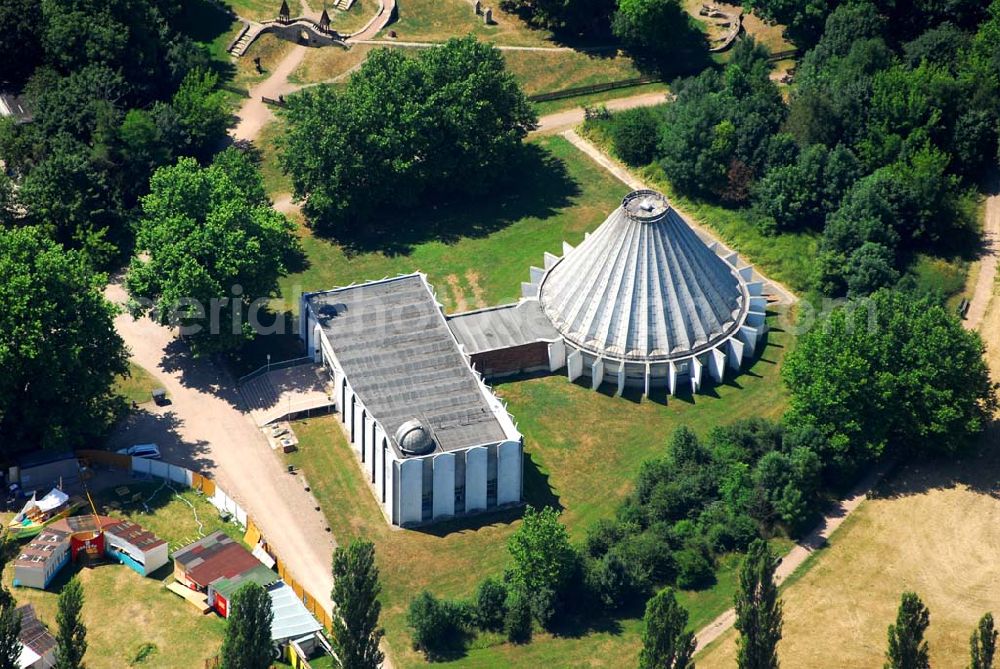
{"x":432,"y":439}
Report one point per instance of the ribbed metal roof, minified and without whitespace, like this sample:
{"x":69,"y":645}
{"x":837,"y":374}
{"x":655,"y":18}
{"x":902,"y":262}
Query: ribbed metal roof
{"x":644,"y":287}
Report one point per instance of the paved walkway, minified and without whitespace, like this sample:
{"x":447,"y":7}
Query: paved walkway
{"x":798,"y":555}
{"x":569,"y":118}
{"x":205,"y":428}
{"x":775,"y":288}
{"x":983,"y":292}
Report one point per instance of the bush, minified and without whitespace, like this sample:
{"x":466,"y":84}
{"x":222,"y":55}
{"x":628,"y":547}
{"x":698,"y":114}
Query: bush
{"x":694,"y":569}
{"x":437,"y":625}
{"x":491,"y":604}
{"x":635,"y":134}
{"x":517,"y":621}
{"x":544,"y":604}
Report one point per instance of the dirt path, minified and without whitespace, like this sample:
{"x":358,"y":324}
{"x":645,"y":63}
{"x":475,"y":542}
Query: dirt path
{"x":983,"y":292}
{"x":625,"y":176}
{"x":568,"y":118}
{"x":254,"y":114}
{"x":798,"y":555}
{"x":204,"y":428}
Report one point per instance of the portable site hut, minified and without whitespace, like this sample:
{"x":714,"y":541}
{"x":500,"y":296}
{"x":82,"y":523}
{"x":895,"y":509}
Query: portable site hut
{"x":38,"y":646}
{"x":217,"y":565}
{"x":138,"y":549}
{"x":42,"y":558}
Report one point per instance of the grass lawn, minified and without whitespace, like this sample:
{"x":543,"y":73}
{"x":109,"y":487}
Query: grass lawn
{"x":129,"y":617}
{"x":545,"y":72}
{"x":478,"y":255}
{"x":578,"y":443}
{"x":933,"y":529}
{"x":355,"y":18}
{"x":262,"y":10}
{"x":785,"y":257}
{"x":137,"y":386}
{"x":324,"y":65}
{"x":437,"y":20}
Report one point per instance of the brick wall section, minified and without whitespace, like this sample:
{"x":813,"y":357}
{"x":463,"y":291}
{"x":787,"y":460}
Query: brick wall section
{"x":512,"y":360}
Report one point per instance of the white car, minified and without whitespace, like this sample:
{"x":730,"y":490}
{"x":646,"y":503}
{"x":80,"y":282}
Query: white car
{"x":150,"y":451}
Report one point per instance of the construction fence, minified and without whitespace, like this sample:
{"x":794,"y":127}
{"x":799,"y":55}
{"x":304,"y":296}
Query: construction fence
{"x":219,"y":499}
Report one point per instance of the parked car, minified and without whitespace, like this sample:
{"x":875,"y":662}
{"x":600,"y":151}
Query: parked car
{"x":150,"y":451}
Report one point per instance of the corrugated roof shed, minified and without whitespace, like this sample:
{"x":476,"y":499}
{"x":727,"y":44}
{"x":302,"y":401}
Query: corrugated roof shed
{"x":33,"y":634}
{"x":291,"y":618}
{"x":214,"y":557}
{"x":502,"y":327}
{"x":260,"y":575}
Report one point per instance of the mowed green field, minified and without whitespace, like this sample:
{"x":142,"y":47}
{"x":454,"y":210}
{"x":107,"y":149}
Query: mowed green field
{"x":583,"y":450}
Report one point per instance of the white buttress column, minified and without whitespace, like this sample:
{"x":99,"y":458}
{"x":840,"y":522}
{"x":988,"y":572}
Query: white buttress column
{"x":444,"y":485}
{"x":697,"y":368}
{"x":557,"y":355}
{"x":509,"y":472}
{"x":717,"y":365}
{"x":411,"y":489}
{"x":574,"y":365}
{"x":672,"y":377}
{"x":596,"y":374}
{"x":621,"y":378}
{"x":735,"y":353}
{"x":475,"y":479}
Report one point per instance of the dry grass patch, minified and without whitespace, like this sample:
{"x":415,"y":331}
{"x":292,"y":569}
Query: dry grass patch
{"x":544,"y":72}
{"x":263,"y":10}
{"x":933,"y":529}
{"x":271,"y":50}
{"x":329,"y":65}
{"x":437,"y":20}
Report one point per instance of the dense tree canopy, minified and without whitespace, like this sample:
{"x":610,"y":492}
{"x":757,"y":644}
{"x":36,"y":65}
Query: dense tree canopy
{"x":446,"y":123}
{"x":907,"y":647}
{"x":892,"y":372}
{"x":115,"y":90}
{"x":71,"y":636}
{"x":665,"y":642}
{"x":58,"y":346}
{"x":210,"y":249}
{"x":661,"y":35}
{"x":758,"y":610}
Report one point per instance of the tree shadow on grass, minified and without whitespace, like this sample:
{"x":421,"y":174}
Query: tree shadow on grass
{"x":536,"y":185}
{"x":205,"y":22}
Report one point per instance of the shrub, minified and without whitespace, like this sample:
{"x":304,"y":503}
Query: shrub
{"x":694,"y":569}
{"x":437,"y":625}
{"x":491,"y":604}
{"x":635,"y":135}
{"x":517,"y":621}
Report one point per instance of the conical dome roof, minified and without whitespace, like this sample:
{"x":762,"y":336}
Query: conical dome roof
{"x":644,"y":287}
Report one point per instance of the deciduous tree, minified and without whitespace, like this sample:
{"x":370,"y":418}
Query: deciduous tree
{"x":983,"y":644}
{"x":356,"y":588}
{"x":907,"y":647}
{"x":665,"y":643}
{"x":71,"y":637}
{"x":248,"y":644}
{"x":758,"y":610}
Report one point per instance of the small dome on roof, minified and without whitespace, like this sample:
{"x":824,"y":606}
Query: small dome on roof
{"x":413,"y":438}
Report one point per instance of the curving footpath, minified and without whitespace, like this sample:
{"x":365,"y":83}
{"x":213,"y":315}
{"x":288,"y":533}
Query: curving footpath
{"x":983,"y":292}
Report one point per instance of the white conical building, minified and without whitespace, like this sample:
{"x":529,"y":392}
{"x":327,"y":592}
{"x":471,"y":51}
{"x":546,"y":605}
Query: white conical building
{"x":643,"y":301}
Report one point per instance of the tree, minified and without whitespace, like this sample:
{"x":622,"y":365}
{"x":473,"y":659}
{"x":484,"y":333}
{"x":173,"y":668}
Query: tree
{"x":634,"y":133}
{"x":248,"y":644}
{"x":570,"y":17}
{"x":907,"y":648}
{"x":642,"y":24}
{"x":404,"y":131}
{"x":201,"y":111}
{"x":58,"y":346}
{"x":542,"y":555}
{"x":983,"y":644}
{"x":356,"y":633}
{"x":892,"y":372}
{"x":758,"y":610}
{"x":491,"y":606}
{"x":10,"y":642}
{"x":517,"y":622}
{"x":665,"y":643}
{"x":20,"y":43}
{"x":71,"y":638}
{"x":208,"y":241}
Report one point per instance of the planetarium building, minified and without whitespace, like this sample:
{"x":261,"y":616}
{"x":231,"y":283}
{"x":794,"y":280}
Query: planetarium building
{"x":643,"y":302}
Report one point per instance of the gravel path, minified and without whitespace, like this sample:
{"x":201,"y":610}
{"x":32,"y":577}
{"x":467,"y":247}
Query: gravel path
{"x":254,"y":114}
{"x":562,"y":120}
{"x":988,"y":268}
{"x":205,"y":428}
